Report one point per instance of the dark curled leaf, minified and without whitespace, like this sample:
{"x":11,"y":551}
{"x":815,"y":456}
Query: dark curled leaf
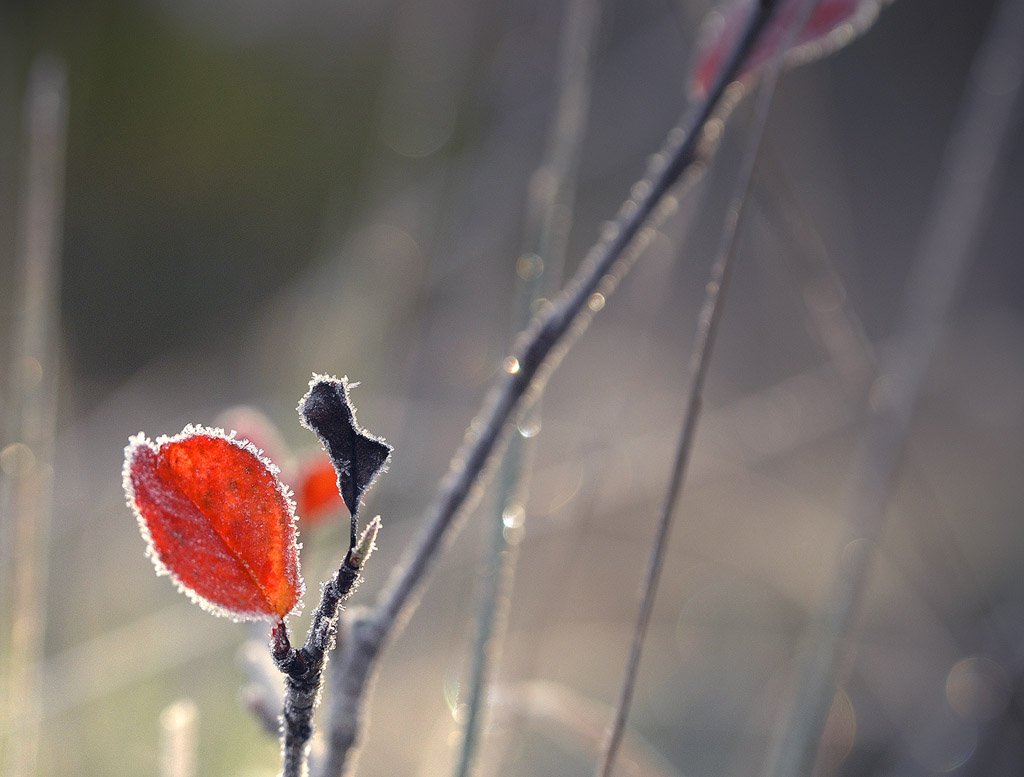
{"x":358,"y":456}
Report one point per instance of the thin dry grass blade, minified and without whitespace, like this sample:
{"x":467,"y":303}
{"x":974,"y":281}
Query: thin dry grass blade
{"x":26,"y":461}
{"x":965,"y":183}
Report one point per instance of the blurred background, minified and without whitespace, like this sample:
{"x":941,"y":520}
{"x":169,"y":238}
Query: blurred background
{"x":260,"y":190}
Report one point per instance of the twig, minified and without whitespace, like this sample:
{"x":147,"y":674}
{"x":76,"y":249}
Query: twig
{"x":358,"y":457}
{"x":700,"y":362}
{"x":966,"y":181}
{"x":26,"y":464}
{"x":535,"y":355}
{"x":549,"y":214}
{"x":303,"y":668}
{"x":540,"y":341}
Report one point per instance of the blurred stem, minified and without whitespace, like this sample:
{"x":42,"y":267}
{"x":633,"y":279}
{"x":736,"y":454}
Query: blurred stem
{"x":700,"y":362}
{"x":964,"y":186}
{"x":535,"y":354}
{"x":549,"y":215}
{"x":26,"y":463}
{"x":534,"y":357}
{"x":563,"y":715}
{"x":838,"y":328}
{"x":179,"y":739}
{"x":829,"y":317}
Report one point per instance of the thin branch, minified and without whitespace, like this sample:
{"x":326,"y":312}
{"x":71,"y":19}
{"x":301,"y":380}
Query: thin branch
{"x":549,"y":214}
{"x":544,"y":338}
{"x":534,"y":357}
{"x":965,"y":184}
{"x":26,"y":463}
{"x":303,"y":668}
{"x":700,"y":362}
{"x":358,"y":458}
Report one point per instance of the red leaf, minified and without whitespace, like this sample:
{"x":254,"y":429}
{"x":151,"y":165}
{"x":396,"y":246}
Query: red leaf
{"x":831,"y":25}
{"x":316,"y":492}
{"x":218,"y":520}
{"x":312,"y":477}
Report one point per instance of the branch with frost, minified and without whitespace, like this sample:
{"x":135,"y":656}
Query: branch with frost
{"x":358,"y":457}
{"x":217,"y":518}
{"x":534,"y":356}
{"x":746,"y":48}
{"x":700,"y":362}
{"x":190,"y":492}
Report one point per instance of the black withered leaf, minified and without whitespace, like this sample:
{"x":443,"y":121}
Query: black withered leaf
{"x":357,"y":455}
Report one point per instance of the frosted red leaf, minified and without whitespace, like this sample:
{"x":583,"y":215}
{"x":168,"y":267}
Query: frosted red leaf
{"x":311,"y":475}
{"x":316,"y":489}
{"x":831,"y":25}
{"x":216,"y":519}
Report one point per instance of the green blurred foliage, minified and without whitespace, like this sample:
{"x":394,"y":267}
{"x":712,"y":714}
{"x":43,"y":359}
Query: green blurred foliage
{"x":199,"y":171}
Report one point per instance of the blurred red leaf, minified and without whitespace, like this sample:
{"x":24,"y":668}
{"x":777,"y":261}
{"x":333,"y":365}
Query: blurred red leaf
{"x":831,"y":25}
{"x":316,"y":490}
{"x":218,"y":520}
{"x":252,"y":424}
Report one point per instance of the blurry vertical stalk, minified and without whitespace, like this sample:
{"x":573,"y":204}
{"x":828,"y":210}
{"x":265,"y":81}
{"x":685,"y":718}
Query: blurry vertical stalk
{"x":538,"y":270}
{"x":700,"y":362}
{"x":26,"y":461}
{"x":575,"y":722}
{"x":829,"y":317}
{"x":963,"y":190}
{"x":178,"y":739}
{"x":535,"y":355}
